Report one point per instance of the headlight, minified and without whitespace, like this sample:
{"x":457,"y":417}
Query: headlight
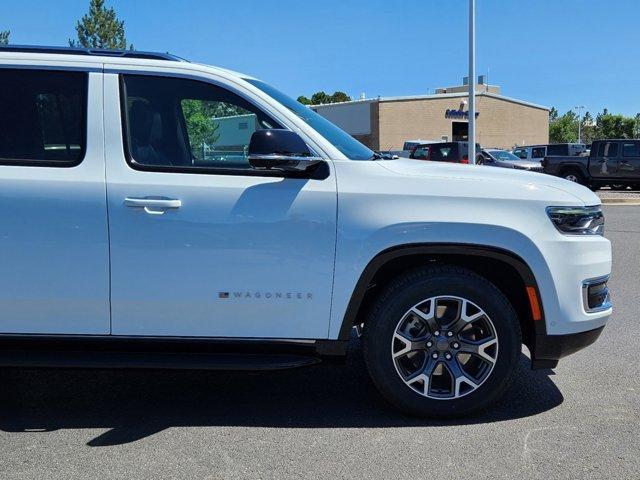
{"x":577,"y":220}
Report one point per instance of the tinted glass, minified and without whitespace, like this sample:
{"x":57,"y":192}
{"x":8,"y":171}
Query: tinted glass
{"x":558,"y":150}
{"x":173,"y":122}
{"x":43,"y":118}
{"x":503,"y":155}
{"x":520,"y":153}
{"x":609,"y":149}
{"x":631,"y":150}
{"x":421,"y":153}
{"x":345,"y":143}
{"x":538,"y":152}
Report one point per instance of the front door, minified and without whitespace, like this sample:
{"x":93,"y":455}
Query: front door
{"x":201,"y":244}
{"x":54,"y":249}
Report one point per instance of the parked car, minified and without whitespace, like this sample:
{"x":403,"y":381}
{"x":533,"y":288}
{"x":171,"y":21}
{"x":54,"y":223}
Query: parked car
{"x":611,"y":162}
{"x":130,"y":239}
{"x":538,"y":152}
{"x":495,"y":157}
{"x":453,"y":152}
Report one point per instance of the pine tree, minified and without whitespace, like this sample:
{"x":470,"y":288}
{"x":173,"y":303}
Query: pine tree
{"x":4,"y":37}
{"x":100,"y":28}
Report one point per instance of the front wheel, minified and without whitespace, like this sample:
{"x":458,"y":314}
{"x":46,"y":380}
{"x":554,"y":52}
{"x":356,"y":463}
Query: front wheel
{"x":441,"y":342}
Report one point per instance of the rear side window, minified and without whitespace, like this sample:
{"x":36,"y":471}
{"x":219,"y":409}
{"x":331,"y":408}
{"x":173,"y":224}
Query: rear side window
{"x":631,"y":150}
{"x":539,"y":152}
{"x":44,"y":117}
{"x":557,"y":150}
{"x":175,"y":123}
{"x":421,"y":153}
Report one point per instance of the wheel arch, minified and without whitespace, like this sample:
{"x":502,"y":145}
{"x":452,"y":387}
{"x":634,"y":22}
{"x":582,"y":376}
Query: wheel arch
{"x":508,"y":271}
{"x":574,"y":166}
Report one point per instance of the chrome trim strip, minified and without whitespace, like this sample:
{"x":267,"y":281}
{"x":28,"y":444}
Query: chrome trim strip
{"x":606,"y":305}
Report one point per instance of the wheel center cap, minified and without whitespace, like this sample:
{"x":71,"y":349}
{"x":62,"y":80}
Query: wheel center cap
{"x":442,"y":344}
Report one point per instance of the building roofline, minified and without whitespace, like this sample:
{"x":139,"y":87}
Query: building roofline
{"x":435,"y":96}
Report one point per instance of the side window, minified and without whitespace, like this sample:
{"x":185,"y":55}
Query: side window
{"x":630,"y":150}
{"x":520,"y":153}
{"x":609,"y":149}
{"x":421,"y":153}
{"x":44,"y":117}
{"x":180,"y":123}
{"x":538,"y":152}
{"x":445,"y":152}
{"x":557,"y":150}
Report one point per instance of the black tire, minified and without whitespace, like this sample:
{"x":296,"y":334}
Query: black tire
{"x":574,"y":175}
{"x":408,"y":290}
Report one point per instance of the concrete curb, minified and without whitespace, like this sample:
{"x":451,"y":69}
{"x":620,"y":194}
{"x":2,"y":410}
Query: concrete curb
{"x":620,"y":201}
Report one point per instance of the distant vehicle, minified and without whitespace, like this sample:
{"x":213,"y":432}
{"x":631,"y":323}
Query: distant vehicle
{"x":409,"y":145}
{"x":495,"y":157}
{"x":611,"y":162}
{"x":453,"y":152}
{"x":538,"y":152}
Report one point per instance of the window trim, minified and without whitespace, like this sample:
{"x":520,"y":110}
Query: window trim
{"x":30,"y":162}
{"x":318,"y":174}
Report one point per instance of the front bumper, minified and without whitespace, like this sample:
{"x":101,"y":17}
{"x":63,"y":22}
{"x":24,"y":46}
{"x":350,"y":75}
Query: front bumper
{"x":548,"y":349}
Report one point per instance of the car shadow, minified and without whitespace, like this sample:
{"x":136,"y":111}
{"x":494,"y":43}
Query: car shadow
{"x":134,"y":404}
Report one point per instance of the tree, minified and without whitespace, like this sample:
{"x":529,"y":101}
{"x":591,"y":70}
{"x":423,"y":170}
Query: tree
{"x":100,"y":28}
{"x":321,"y":98}
{"x":200,"y":119}
{"x":564,"y":129}
{"x":4,"y":37}
{"x":636,"y":133}
{"x":553,"y":114}
{"x":615,"y":126}
{"x":588,"y":129}
{"x":340,"y":97}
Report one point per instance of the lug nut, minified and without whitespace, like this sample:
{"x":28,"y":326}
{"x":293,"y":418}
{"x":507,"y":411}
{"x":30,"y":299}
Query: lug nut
{"x":456,"y":345}
{"x":448,"y":356}
{"x":449,"y":334}
{"x":435,"y":355}
{"x":429,"y":344}
{"x":436,"y":333}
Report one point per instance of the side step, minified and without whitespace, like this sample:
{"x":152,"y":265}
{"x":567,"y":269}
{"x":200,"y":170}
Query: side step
{"x":154,"y":360}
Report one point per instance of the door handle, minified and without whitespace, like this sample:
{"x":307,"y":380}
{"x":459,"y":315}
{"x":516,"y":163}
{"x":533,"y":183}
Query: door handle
{"x":154,"y":206}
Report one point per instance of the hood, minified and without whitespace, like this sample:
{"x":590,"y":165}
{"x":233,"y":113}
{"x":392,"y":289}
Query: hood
{"x":519,"y":163}
{"x":504,"y":178}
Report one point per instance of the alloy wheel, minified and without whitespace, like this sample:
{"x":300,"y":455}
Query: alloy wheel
{"x":444,"y":347}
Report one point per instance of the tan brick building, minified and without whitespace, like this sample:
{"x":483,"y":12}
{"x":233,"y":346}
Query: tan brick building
{"x":386,"y":123}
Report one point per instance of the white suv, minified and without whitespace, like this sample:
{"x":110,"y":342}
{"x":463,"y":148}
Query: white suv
{"x":161,"y":213}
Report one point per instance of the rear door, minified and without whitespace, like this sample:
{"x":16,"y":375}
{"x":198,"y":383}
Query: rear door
{"x":629,"y":162}
{"x":53,"y":218}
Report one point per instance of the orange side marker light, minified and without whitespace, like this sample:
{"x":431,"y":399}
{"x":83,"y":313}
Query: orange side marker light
{"x":536,"y":313}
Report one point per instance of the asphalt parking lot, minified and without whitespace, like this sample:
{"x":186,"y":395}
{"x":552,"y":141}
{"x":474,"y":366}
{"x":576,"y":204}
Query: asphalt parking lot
{"x":580,"y":421}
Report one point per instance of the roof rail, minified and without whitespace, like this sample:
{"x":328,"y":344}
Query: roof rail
{"x":91,"y":51}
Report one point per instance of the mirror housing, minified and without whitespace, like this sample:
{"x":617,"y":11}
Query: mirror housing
{"x":281,"y":150}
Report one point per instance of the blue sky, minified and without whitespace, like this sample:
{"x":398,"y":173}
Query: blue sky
{"x":551,"y":52}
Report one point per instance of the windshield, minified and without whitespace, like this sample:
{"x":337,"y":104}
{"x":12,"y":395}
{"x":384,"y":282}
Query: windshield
{"x":503,"y":155}
{"x":349,"y":146}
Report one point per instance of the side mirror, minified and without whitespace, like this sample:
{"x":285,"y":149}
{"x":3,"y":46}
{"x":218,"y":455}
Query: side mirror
{"x":281,"y":150}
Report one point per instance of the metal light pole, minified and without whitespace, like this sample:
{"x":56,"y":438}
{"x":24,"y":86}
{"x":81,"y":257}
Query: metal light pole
{"x":472,"y":81}
{"x":579,"y":108}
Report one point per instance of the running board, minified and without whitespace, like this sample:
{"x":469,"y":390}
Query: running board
{"x":154,"y":360}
